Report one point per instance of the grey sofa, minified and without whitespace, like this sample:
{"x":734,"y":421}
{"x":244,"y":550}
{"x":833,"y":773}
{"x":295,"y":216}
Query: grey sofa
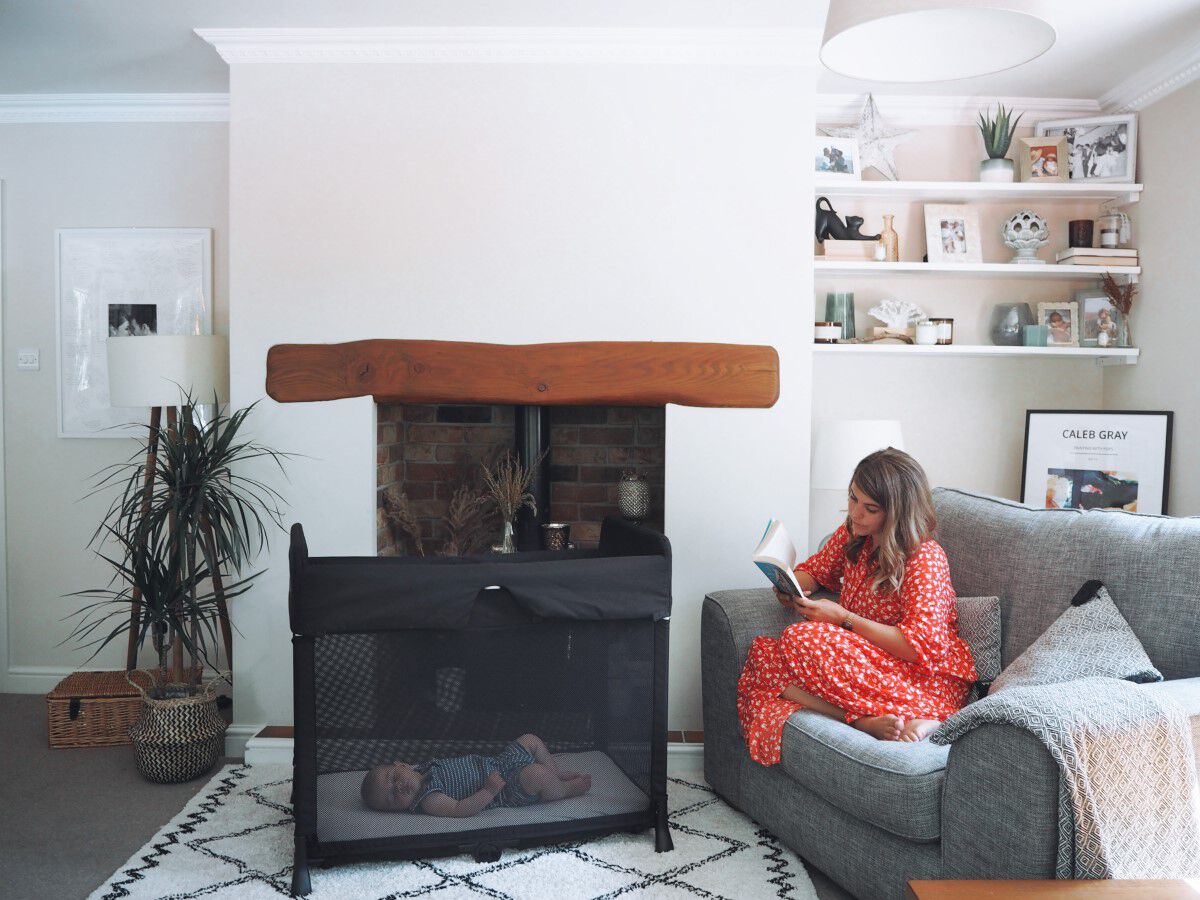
{"x":873,"y":814}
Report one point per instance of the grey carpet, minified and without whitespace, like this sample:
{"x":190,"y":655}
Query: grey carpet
{"x":70,"y":818}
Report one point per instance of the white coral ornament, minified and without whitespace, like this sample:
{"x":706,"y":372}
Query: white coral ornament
{"x":897,"y":315}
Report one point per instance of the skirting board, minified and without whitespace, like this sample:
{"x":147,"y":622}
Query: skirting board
{"x":681,"y":758}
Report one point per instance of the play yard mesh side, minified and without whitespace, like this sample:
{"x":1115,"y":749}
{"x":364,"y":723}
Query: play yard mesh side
{"x":414,"y":659}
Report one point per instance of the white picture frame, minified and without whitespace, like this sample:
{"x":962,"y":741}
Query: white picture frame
{"x":1097,"y":459}
{"x":121,"y":280}
{"x":952,"y":233}
{"x":836,"y":159}
{"x":1062,"y":318}
{"x":1099,"y":148}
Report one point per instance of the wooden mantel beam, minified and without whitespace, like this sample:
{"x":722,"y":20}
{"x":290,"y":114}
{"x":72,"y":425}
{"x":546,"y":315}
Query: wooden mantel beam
{"x":586,"y":373}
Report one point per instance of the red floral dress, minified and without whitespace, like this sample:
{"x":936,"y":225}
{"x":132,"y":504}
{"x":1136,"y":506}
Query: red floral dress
{"x":846,"y":669}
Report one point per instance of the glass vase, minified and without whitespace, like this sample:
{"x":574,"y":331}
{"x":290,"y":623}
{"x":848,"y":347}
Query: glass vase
{"x":508,"y":543}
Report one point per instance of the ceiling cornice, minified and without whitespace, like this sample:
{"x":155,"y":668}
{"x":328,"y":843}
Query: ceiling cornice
{"x":26,"y":109}
{"x":1155,"y":81}
{"x":916,"y":111}
{"x":693,"y":46}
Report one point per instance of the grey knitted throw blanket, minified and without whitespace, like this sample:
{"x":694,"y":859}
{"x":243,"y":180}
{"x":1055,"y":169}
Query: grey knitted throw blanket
{"x":1128,"y":801}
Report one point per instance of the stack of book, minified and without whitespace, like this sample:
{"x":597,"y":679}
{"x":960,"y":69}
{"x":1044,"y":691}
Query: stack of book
{"x":1096,"y":256}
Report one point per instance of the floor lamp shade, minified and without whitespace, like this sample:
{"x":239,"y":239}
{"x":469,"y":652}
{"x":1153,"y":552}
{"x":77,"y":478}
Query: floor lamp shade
{"x":150,"y":370}
{"x":840,"y":444}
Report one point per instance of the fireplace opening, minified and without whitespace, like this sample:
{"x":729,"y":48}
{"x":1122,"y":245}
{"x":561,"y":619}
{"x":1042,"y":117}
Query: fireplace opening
{"x":428,"y":452}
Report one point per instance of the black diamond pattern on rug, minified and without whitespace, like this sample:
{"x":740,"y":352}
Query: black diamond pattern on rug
{"x":234,"y":840}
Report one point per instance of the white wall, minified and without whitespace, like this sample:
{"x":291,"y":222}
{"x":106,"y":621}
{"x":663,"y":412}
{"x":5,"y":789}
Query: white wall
{"x":1166,"y":316}
{"x":963,"y":418}
{"x":522,"y":203}
{"x":65,"y":176}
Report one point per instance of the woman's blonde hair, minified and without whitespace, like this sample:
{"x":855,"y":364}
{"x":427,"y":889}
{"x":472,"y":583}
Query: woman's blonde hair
{"x":896,"y":482}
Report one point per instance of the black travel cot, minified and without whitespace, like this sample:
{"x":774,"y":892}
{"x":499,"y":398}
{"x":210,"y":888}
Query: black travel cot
{"x":415,"y":658}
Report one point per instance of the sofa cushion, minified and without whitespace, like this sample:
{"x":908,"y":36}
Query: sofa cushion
{"x":1034,"y":560}
{"x":979,"y":626}
{"x":893,"y":785}
{"x":1090,"y":638}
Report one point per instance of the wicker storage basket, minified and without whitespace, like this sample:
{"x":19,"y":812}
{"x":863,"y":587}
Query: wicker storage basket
{"x":94,"y":709}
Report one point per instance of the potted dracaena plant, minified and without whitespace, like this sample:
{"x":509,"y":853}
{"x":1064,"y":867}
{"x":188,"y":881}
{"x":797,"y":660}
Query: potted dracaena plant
{"x":185,"y":516}
{"x":997,"y":133}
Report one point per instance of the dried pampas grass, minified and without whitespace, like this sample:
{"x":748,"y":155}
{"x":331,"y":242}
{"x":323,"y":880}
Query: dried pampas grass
{"x":399,"y":513}
{"x":508,"y":482}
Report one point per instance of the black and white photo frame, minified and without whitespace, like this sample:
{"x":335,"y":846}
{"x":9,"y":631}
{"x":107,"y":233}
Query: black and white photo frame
{"x":1099,"y":148}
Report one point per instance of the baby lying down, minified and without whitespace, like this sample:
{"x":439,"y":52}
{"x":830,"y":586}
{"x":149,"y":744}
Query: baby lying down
{"x":523,"y":773}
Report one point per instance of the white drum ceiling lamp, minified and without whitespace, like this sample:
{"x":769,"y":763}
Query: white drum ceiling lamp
{"x":933,"y":40}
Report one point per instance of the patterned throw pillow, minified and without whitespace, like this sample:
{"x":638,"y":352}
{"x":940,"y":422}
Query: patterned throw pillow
{"x":979,"y":626}
{"x":1091,"y":638}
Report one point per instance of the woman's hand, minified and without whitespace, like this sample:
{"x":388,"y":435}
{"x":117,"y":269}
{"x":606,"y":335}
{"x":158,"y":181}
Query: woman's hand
{"x":495,"y":783}
{"x":822,"y":610}
{"x":790,"y":601}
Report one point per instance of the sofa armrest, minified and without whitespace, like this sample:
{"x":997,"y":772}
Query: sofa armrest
{"x":999,"y":806}
{"x":1000,"y":797}
{"x":729,"y":621}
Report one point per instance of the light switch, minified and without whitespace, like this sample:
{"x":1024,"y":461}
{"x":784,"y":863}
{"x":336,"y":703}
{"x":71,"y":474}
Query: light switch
{"x":28,"y":359}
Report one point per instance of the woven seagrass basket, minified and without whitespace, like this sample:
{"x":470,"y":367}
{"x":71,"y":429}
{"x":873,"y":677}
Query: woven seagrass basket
{"x":94,"y":709}
{"x":179,"y":738}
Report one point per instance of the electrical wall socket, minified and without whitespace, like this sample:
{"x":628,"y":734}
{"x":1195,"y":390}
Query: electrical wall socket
{"x":28,"y":359}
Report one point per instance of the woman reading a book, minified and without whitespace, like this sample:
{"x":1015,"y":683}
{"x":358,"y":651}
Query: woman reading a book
{"x":887,"y":657}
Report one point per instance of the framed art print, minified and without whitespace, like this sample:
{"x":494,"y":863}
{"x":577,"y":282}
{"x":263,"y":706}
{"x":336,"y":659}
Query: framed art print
{"x":1099,"y":148}
{"x":1097,"y":459}
{"x":121,"y":282}
{"x":952,"y":233}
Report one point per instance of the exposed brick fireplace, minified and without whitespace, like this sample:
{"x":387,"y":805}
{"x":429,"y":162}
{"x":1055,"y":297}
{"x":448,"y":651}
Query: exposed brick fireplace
{"x":446,"y":406}
{"x":428,"y":450}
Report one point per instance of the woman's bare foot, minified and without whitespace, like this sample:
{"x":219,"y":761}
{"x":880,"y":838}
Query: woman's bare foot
{"x":884,"y":728}
{"x":918,"y":729}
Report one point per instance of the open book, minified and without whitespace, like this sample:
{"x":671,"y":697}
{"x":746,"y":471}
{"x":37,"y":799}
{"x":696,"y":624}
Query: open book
{"x":776,"y":556}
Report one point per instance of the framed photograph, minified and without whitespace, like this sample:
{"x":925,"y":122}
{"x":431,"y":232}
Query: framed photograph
{"x":836,"y":158}
{"x":1097,"y":316}
{"x":1099,"y":148}
{"x":1042,"y":159}
{"x":1097,"y":459}
{"x":127,"y":282}
{"x":952,"y":233}
{"x":1063,"y":320}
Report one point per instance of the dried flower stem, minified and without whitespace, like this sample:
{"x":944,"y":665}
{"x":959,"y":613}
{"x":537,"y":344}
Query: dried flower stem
{"x":1122,"y":296}
{"x":399,"y":512}
{"x":467,"y":522}
{"x":508,"y":484}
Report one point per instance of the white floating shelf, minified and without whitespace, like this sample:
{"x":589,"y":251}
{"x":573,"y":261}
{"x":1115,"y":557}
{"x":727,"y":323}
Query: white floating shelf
{"x":1007,"y":270}
{"x":964,"y":191}
{"x":1104,"y":356}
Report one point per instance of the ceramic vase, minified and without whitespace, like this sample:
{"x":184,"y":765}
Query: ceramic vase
{"x":996,"y":170}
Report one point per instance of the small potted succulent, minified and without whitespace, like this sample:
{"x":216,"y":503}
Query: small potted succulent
{"x":997,"y":137}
